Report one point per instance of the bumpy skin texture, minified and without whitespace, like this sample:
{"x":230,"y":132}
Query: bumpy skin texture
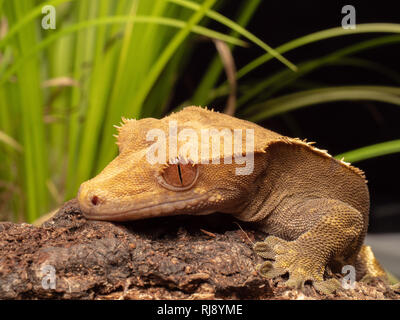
{"x":314,"y":207}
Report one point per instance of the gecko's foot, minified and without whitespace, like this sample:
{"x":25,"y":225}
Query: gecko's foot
{"x":300,"y":265}
{"x":395,"y":287}
{"x":328,"y":286}
{"x":369,"y":279}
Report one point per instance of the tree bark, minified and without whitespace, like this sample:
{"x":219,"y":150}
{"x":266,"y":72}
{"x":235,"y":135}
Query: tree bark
{"x":181,"y":257}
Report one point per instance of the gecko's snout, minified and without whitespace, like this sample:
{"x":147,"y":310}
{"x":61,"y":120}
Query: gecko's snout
{"x":88,"y":200}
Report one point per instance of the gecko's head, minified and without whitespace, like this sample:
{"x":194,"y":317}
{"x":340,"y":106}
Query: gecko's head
{"x":145,"y":181}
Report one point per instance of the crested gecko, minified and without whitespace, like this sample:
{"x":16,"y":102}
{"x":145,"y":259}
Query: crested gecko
{"x":313,"y":207}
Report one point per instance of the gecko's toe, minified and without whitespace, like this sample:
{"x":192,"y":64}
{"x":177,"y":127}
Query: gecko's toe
{"x":267,"y":248}
{"x":395,"y":287}
{"x":295,"y":283}
{"x":269,"y":271}
{"x":264,"y":250}
{"x":370,"y":278}
{"x":328,"y":286}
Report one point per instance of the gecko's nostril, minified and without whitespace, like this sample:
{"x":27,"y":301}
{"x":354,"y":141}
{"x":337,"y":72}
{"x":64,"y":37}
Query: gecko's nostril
{"x":95,"y":200}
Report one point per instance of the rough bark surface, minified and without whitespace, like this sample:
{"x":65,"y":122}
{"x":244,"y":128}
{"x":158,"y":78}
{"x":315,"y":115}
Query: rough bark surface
{"x":206,"y":257}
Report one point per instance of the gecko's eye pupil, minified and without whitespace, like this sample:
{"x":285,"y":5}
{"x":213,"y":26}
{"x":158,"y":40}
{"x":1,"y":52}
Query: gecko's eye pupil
{"x":180,"y":175}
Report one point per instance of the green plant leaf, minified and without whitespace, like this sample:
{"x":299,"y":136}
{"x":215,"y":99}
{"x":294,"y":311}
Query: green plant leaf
{"x":318,"y":36}
{"x":29,"y":17}
{"x":111,"y":20}
{"x":239,"y":29}
{"x":368,"y":152}
{"x":283,"y":78}
{"x":10,"y":141}
{"x":317,"y":96}
{"x":207,"y":83}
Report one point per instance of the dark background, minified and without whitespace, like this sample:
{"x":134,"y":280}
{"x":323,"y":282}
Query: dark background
{"x":337,"y":127}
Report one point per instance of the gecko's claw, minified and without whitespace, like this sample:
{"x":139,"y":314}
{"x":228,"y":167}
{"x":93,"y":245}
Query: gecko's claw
{"x":290,"y":259}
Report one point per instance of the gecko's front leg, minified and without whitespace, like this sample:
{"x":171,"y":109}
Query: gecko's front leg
{"x":335,"y":234}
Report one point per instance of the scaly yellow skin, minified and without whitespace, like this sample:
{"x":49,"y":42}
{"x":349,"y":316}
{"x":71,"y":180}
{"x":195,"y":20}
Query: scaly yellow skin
{"x":314,"y":207}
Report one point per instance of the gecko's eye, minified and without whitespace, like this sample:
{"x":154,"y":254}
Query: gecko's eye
{"x":179,"y":176}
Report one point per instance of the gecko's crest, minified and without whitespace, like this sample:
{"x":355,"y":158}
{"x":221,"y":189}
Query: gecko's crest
{"x":321,"y":152}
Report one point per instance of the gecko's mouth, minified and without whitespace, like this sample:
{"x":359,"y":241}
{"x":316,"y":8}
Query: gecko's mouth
{"x":122,"y":213}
